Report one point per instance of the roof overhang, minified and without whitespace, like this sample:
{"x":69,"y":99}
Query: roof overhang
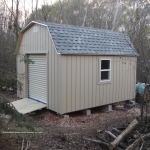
{"x":136,"y":55}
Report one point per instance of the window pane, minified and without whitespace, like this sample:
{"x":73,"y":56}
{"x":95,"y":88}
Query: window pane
{"x":104,"y":75}
{"x":105,"y":64}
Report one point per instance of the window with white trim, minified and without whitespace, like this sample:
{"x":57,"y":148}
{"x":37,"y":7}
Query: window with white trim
{"x":105,"y":68}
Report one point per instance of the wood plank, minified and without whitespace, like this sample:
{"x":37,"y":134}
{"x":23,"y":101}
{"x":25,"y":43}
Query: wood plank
{"x":27,"y":105}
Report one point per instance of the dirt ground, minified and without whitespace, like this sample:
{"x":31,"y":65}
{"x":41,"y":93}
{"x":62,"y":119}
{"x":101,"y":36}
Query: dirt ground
{"x":60,"y":133}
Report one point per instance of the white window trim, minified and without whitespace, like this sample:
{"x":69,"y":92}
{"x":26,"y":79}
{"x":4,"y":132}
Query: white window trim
{"x":109,"y":80}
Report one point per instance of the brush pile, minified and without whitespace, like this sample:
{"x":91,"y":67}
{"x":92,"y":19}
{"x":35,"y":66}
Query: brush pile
{"x":134,"y":136}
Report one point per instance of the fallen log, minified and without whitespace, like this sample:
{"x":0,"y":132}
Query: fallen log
{"x":116,"y":130}
{"x":130,"y":127}
{"x":97,"y":141}
{"x":111,"y":134}
{"x":135,"y":136}
{"x":138,"y":141}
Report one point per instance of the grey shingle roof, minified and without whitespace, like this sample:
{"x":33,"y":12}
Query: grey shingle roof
{"x":70,"y":39}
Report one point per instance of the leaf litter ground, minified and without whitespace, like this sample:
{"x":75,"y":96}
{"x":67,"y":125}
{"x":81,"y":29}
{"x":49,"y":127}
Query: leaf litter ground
{"x":67,"y":133}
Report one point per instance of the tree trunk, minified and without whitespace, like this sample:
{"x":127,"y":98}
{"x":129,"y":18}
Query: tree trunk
{"x":16,"y":19}
{"x":12,"y":11}
{"x":36,"y":8}
{"x":85,"y":15}
{"x":115,"y":16}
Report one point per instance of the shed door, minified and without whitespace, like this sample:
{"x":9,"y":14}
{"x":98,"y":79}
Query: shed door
{"x":37,"y":78}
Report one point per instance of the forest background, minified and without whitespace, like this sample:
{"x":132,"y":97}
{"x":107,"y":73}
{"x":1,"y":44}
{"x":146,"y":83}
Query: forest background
{"x":131,"y":17}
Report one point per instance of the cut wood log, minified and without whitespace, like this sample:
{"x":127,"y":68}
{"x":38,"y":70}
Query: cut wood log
{"x":131,"y":126}
{"x":135,"y":136}
{"x":97,"y":141}
{"x":111,"y":134}
{"x":138,"y":141}
{"x":116,"y":130}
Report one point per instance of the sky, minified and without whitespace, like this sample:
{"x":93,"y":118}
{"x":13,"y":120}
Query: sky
{"x":23,"y":5}
{"x":27,"y":4}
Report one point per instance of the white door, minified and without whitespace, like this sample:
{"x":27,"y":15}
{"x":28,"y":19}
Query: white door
{"x":37,"y":79}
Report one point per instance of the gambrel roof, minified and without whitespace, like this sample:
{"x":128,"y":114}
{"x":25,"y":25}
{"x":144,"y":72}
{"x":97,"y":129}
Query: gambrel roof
{"x":70,"y":39}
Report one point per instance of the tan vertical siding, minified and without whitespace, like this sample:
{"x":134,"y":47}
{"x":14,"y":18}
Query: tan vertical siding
{"x":54,"y":77}
{"x":94,"y":81}
{"x":74,"y":81}
{"x":78,"y":82}
{"x":64,"y":83}
{"x":82,"y":83}
{"x":69,"y":85}
{"x":81,"y":76}
{"x":86,"y":81}
{"x":35,"y":41}
{"x":31,"y":42}
{"x":41,"y":42}
{"x":90,"y":81}
{"x":50,"y":75}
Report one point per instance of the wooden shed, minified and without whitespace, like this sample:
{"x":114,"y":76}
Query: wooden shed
{"x":75,"y":68}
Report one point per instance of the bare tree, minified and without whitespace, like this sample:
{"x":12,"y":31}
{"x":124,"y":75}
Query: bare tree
{"x":115,"y":16}
{"x":85,"y":15}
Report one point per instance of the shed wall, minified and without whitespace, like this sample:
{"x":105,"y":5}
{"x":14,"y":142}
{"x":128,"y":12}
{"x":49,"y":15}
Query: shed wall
{"x":40,"y":42}
{"x":81,"y":87}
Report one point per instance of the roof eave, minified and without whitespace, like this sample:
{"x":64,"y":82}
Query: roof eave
{"x":136,"y":55}
{"x":31,"y":24}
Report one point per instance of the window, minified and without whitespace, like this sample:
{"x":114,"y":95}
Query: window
{"x":105,"y":70}
{"x":35,"y":29}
